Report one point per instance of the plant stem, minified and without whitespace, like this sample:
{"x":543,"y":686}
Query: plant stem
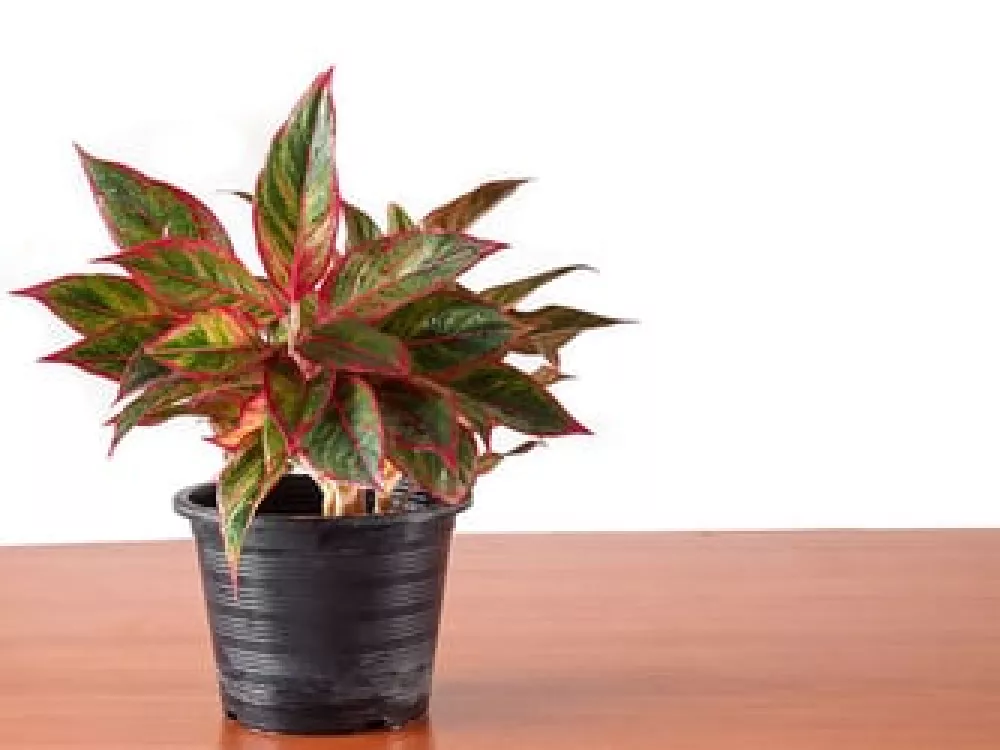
{"x":333,"y":504}
{"x":294,"y":322}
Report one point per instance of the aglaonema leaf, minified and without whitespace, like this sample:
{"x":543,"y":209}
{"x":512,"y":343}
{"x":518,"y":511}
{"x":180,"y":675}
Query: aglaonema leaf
{"x":380,"y":277}
{"x":361,"y":228}
{"x":243,"y":485}
{"x":450,"y":483}
{"x":446,"y":329}
{"x":507,"y":295}
{"x":512,"y":399}
{"x":296,"y":203}
{"x":461,"y":213}
{"x":90,"y":302}
{"x":191,"y":275}
{"x":160,"y":395}
{"x":212,"y":342}
{"x":347,"y":443}
{"x":397,"y":220}
{"x":107,"y":352}
{"x":140,"y":370}
{"x":294,"y":402}
{"x":354,"y":346}
{"x":138,"y":209}
{"x":419,"y":418}
{"x":552,"y":327}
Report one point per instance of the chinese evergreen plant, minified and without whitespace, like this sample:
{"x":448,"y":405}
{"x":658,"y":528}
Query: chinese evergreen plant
{"x":361,"y":363}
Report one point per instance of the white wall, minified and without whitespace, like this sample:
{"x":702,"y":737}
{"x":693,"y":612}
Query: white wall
{"x":800,"y":201}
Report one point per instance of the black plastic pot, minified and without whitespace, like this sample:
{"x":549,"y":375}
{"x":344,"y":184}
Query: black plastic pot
{"x":335,"y":625}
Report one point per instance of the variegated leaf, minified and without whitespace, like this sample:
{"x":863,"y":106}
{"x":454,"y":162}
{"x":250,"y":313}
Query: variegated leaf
{"x":213,"y":342}
{"x":191,"y":275}
{"x":243,"y":485}
{"x":487,"y":462}
{"x":294,"y":402}
{"x":552,"y":327}
{"x":361,"y":228}
{"x":419,"y":418}
{"x":159,"y":396}
{"x":91,"y":302}
{"x":296,"y":204}
{"x":432,"y":473}
{"x":512,"y":399}
{"x":446,"y":329}
{"x":461,"y":213}
{"x":354,"y":346}
{"x":138,"y":209}
{"x":252,"y":414}
{"x":397,"y":220}
{"x":507,"y":295}
{"x":107,"y":352}
{"x":140,"y":370}
{"x":348,"y":442}
{"x":379,"y":278}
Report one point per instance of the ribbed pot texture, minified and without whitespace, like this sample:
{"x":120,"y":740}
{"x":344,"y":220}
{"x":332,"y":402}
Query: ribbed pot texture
{"x":334,"y":626}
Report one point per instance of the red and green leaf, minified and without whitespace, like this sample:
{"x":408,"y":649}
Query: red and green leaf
{"x":107,"y":352}
{"x":361,"y":228}
{"x":296,"y":204}
{"x":161,"y":396}
{"x":451,"y":483}
{"x":138,"y":209}
{"x":351,"y":345}
{"x":461,"y":213}
{"x":397,"y":220}
{"x":213,"y":342}
{"x":378,"y":278}
{"x":294,"y":402}
{"x":348,"y":443}
{"x":243,"y":485}
{"x":547,"y":375}
{"x":552,"y":327}
{"x":509,"y":294}
{"x":419,"y":418}
{"x":250,"y":418}
{"x":447,"y":329}
{"x":140,"y":370}
{"x":90,"y":302}
{"x":512,"y":399}
{"x":190,"y":275}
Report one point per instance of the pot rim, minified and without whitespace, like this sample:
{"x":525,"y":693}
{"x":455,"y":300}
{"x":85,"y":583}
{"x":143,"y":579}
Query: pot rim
{"x":186,"y":507}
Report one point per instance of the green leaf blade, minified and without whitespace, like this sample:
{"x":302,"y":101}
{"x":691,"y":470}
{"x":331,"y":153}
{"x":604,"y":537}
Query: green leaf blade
{"x":461,"y":213}
{"x":450,"y":483}
{"x":138,"y":209}
{"x":107,"y":352}
{"x":348,"y":443}
{"x":213,"y":342}
{"x":381,"y":277}
{"x":397,"y":220}
{"x":296,"y":203}
{"x":448,"y":329}
{"x":89,"y":303}
{"x":193,"y":275}
{"x":513,"y":292}
{"x":243,"y":485}
{"x":356,"y":347}
{"x":516,"y":401}
{"x":361,"y":228}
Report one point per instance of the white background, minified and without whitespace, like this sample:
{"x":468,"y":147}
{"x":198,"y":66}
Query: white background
{"x":800,"y":201}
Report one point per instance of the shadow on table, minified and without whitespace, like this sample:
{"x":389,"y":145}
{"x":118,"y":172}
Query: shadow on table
{"x":546,"y":700}
{"x":416,"y":736}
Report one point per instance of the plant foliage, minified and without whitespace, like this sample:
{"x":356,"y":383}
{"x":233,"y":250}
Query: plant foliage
{"x":360,"y":360}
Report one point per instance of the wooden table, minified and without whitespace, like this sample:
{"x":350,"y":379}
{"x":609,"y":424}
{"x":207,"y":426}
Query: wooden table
{"x":674,"y":641}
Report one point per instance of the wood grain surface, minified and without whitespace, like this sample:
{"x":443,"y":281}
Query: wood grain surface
{"x":780,"y":641}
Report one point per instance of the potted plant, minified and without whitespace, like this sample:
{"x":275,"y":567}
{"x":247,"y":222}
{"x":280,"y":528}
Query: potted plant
{"x":354,"y":390}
